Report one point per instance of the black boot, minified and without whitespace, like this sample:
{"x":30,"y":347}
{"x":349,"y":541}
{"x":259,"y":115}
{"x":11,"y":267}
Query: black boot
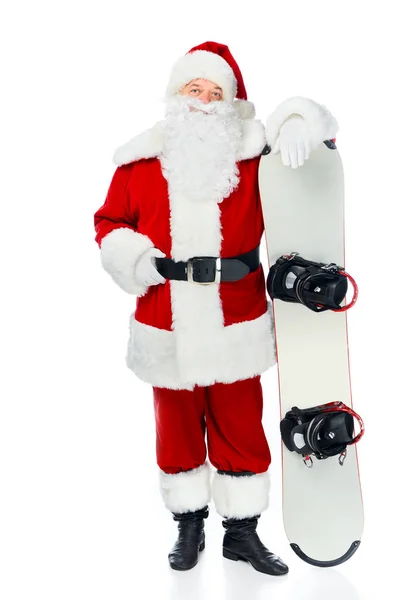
{"x":191,"y":540}
{"x":241,"y":542}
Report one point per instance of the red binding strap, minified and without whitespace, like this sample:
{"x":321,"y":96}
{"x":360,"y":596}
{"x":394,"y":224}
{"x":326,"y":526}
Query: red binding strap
{"x":343,"y":408}
{"x":355,"y":293}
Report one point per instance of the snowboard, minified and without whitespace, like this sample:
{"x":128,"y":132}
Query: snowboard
{"x":303,"y":212}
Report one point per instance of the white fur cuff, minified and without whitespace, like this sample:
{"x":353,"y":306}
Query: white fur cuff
{"x":320,"y":122}
{"x":186,"y":491}
{"x":240,"y":497}
{"x":119,"y":252}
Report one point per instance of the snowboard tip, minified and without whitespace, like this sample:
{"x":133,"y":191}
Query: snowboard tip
{"x":326,"y":563}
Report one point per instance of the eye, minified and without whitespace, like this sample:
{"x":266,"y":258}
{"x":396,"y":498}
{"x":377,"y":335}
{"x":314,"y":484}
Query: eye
{"x":194,"y":90}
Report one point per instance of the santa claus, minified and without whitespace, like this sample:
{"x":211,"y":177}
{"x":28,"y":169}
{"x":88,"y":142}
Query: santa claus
{"x":181,"y":228}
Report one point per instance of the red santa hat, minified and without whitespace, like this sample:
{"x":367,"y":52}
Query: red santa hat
{"x":212,"y":61}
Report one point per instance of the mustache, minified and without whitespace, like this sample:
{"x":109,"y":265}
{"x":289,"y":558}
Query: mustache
{"x":186,"y":104}
{"x":209,"y":108}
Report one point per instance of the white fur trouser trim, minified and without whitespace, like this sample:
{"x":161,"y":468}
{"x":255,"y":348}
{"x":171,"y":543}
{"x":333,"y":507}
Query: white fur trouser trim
{"x":240,"y":497}
{"x":186,"y":491}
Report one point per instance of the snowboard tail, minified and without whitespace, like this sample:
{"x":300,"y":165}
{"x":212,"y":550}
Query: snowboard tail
{"x":326,"y":563}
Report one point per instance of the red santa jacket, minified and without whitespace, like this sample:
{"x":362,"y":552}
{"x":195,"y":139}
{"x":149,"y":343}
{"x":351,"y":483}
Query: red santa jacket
{"x":183,"y":334}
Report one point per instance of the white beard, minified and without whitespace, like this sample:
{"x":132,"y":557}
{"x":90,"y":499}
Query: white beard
{"x":201,"y":147}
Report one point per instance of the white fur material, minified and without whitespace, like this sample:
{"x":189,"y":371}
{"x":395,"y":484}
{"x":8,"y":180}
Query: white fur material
{"x":171,"y":359}
{"x":119,"y":251}
{"x":202,"y":64}
{"x":150,"y":143}
{"x":253,"y":139}
{"x":186,"y":491}
{"x":240,"y":497}
{"x":147,"y":144}
{"x":245,"y":109}
{"x":320,"y":122}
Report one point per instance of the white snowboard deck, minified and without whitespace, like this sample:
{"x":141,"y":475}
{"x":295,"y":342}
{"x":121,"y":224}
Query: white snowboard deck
{"x":304,"y":212}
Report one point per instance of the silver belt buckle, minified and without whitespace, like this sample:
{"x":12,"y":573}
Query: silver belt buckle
{"x":217,"y":278}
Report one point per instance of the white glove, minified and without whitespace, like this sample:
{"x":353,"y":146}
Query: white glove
{"x":145,"y":271}
{"x":293,"y":142}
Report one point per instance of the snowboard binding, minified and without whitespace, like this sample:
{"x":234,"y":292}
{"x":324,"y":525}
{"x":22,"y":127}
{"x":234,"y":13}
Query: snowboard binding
{"x":318,"y":286}
{"x":321,"y":431}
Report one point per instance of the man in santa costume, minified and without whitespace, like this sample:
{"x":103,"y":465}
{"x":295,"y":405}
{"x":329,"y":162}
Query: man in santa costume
{"x":181,"y":228}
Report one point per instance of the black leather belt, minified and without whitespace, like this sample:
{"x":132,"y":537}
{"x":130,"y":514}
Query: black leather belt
{"x":206,"y":270}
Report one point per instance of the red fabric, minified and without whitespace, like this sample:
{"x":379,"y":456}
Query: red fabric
{"x":223,"y":51}
{"x":138,"y":198}
{"x":113,"y":213}
{"x":229,"y":415}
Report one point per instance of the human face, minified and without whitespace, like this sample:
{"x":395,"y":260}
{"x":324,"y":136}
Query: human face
{"x":205,"y":90}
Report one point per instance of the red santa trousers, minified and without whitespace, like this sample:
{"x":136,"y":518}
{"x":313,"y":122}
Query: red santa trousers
{"x":229,"y":416}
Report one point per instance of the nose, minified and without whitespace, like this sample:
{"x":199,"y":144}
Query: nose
{"x":205,"y":97}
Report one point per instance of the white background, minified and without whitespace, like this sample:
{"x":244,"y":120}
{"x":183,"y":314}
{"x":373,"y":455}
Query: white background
{"x":80,"y":512}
